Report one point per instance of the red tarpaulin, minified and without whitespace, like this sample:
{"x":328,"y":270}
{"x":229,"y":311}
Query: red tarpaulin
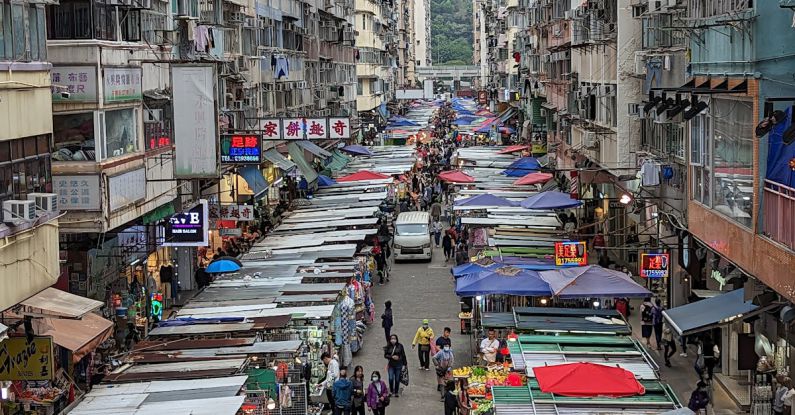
{"x":533,"y":178}
{"x":362,"y":175}
{"x":584,"y":380}
{"x":513,"y":149}
{"x":455,"y":176}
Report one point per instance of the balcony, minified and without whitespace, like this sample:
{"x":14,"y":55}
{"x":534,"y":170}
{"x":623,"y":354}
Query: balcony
{"x":778,"y":222}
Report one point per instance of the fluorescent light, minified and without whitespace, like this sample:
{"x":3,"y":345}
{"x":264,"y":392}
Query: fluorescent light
{"x":478,"y":298}
{"x":596,"y":303}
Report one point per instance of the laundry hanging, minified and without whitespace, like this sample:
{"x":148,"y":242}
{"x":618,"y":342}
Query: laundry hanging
{"x":280,"y":66}
{"x":650,"y":173}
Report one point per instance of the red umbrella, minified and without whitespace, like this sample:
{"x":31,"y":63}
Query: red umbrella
{"x":513,"y":149}
{"x":455,"y":176}
{"x":533,"y":178}
{"x":587,"y":380}
{"x":361,"y":176}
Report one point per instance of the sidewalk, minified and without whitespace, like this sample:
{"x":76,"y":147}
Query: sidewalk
{"x":681,"y":375}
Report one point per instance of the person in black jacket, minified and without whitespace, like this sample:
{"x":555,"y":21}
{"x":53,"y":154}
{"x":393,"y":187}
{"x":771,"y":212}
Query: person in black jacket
{"x":386,"y":320}
{"x":396,"y":357}
{"x":450,"y":400}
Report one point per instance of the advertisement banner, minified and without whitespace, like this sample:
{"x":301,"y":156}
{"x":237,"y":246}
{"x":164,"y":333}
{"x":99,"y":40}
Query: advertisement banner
{"x":654,"y":265}
{"x":245,"y":148}
{"x":122,"y":84}
{"x":293,"y":128}
{"x":339,"y":128}
{"x":271,"y":129}
{"x":316,"y":128}
{"x":571,"y":253}
{"x":77,"y":192}
{"x":80,"y":82}
{"x":20,"y":360}
{"x":188,"y":228}
{"x":195,"y":130}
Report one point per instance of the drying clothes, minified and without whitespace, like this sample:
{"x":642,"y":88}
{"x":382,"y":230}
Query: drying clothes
{"x":650,"y":174}
{"x":202,"y":38}
{"x":280,"y":66}
{"x":285,"y":396}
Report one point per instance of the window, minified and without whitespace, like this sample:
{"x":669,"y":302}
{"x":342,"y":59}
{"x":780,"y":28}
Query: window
{"x":69,"y":20}
{"x":24,"y":167}
{"x":74,"y":138}
{"x":22,"y":32}
{"x":80,"y":19}
{"x":364,"y":22}
{"x":359,"y":87}
{"x":701,"y":163}
{"x":412,"y":229}
{"x":121,"y":132}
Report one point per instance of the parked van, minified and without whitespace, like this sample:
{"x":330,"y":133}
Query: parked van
{"x":412,"y":236}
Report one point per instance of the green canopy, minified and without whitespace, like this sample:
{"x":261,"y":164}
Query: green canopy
{"x":297,"y":156}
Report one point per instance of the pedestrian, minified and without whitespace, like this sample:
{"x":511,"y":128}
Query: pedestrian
{"x":450,"y":400}
{"x":445,"y":339}
{"x":699,"y":399}
{"x":332,"y":374}
{"x":778,"y":396}
{"x":343,"y":389}
{"x":396,"y":359}
{"x":447,"y":246}
{"x":380,"y":261}
{"x":708,"y":354}
{"x":657,"y":322}
{"x":386,"y":320}
{"x":423,"y":339}
{"x":489,"y":347}
{"x":443,"y":361}
{"x":377,"y":394}
{"x":357,"y":399}
{"x":437,"y":231}
{"x":788,"y":396}
{"x":669,"y":345}
{"x":464,"y":402}
{"x":647,"y":319}
{"x":461,"y":254}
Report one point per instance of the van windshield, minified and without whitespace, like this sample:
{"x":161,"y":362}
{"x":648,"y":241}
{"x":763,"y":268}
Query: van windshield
{"x":412,"y":229}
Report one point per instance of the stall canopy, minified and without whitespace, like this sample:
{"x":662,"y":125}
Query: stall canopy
{"x":80,"y":336}
{"x":550,"y":200}
{"x":471,"y":268}
{"x":522,"y":167}
{"x":297,"y":155}
{"x":708,"y":313}
{"x":533,"y":178}
{"x":591,"y":281}
{"x":55,"y":302}
{"x":485,"y":199}
{"x":278,"y":160}
{"x":505,"y":280}
{"x":587,"y":380}
{"x":456,"y":176}
{"x":514,"y":149}
{"x":256,"y":181}
{"x":323,"y":181}
{"x":314,"y":149}
{"x":358,"y":150}
{"x":362,"y":175}
{"x":338,"y":162}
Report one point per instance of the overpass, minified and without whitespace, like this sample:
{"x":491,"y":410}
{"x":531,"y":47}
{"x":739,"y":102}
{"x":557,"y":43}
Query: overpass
{"x":448,"y":73}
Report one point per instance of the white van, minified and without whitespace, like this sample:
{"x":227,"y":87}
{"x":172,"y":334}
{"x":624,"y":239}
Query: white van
{"x":412,"y":236}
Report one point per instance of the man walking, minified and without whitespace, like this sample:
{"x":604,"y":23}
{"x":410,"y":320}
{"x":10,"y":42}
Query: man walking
{"x":423,"y":338}
{"x":386,"y":320}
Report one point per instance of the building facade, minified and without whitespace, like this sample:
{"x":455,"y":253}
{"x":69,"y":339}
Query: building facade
{"x":422,"y":33}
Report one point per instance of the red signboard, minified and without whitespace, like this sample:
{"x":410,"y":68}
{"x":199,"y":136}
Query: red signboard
{"x":241,"y":149}
{"x":654,"y":265}
{"x":571,"y":253}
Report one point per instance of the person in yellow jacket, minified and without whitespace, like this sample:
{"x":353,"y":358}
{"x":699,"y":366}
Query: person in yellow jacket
{"x":423,"y":338}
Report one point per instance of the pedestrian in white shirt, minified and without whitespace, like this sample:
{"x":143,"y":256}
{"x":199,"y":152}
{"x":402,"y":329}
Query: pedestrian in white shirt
{"x":489,"y":347}
{"x":332,"y":374}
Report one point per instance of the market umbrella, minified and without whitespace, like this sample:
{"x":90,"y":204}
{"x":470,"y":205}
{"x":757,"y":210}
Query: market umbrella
{"x":485,"y":199}
{"x":456,"y":176}
{"x":583,"y":380}
{"x":522,"y":167}
{"x":533,"y":178}
{"x":470,"y":268}
{"x":222,"y":265}
{"x":357,"y":150}
{"x":362,"y":175}
{"x":228,"y":258}
{"x":323,"y":181}
{"x":503,"y":280}
{"x":513,"y":149}
{"x":592,"y":281}
{"x":550,"y":200}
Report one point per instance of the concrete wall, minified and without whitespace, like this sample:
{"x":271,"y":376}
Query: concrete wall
{"x":32,"y":263}
{"x":24,"y":110}
{"x":629,"y":89}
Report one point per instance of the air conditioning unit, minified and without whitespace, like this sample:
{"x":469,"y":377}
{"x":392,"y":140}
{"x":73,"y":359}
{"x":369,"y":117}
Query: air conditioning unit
{"x":47,"y":202}
{"x":153,"y":115}
{"x":589,"y":140}
{"x":19,"y":211}
{"x":640,"y":63}
{"x":633,"y":109}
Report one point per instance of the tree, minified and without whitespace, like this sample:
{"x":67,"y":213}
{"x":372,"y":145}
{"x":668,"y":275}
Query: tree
{"x":451,"y":31}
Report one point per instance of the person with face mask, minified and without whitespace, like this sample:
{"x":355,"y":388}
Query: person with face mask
{"x":396,"y":359}
{"x":443,"y":361}
{"x":357,"y":399}
{"x":377,"y":394}
{"x":423,"y":338}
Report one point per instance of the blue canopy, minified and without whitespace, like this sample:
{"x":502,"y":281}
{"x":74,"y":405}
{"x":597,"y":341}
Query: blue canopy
{"x":592,"y":281}
{"x":550,"y":200}
{"x":705,"y":314}
{"x":497,"y":282}
{"x":255,"y":180}
{"x":324,"y":180}
{"x":403,"y":123}
{"x":357,"y":149}
{"x":470,"y":268}
{"x":485,"y":199}
{"x":463,"y":121}
{"x":780,"y":154}
{"x":522,"y":167}
{"x":223,"y":265}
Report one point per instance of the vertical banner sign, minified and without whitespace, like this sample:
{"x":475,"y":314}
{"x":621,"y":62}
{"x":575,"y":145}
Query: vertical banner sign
{"x":188,"y":228}
{"x":339,"y":128}
{"x":571,"y":253}
{"x":654,"y":265}
{"x":293,"y":128}
{"x":241,"y":148}
{"x":271,"y":129}
{"x":20,"y":360}
{"x":195,"y":130}
{"x":316,"y":128}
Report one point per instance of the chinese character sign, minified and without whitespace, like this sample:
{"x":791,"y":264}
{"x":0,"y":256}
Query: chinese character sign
{"x":271,"y":129}
{"x":339,"y":127}
{"x":241,"y":149}
{"x":77,"y":192}
{"x":195,"y":129}
{"x":232,"y":212}
{"x":23,"y":360}
{"x":316,"y":128}
{"x":79,"y":81}
{"x":654,"y":265}
{"x":293,"y":128}
{"x":122,"y":84}
{"x":571,"y":253}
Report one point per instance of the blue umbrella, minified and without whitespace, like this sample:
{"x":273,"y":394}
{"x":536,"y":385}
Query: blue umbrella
{"x":323,"y":181}
{"x":550,"y":200}
{"x":222,"y":266}
{"x":522,"y":167}
{"x":504,"y":280}
{"x":357,"y":149}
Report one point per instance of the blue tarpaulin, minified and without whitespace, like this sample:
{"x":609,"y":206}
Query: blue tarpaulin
{"x":256,"y":181}
{"x":779,"y":154}
{"x":485,"y":199}
{"x":550,"y":200}
{"x":494,"y":282}
{"x":705,"y":314}
{"x":324,"y":180}
{"x":591,"y":281}
{"x":522,"y":167}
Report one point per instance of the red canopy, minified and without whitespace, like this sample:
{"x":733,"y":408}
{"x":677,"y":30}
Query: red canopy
{"x":362,"y":175}
{"x":587,"y":380}
{"x":455,"y":176}
{"x":533,"y":178}
{"x":513,"y":149}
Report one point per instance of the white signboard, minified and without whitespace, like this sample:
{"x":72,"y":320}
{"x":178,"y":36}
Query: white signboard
{"x":339,"y":127}
{"x":195,"y":132}
{"x":122,"y":84}
{"x":409,"y":94}
{"x":79,"y":81}
{"x":77,"y":192}
{"x":316,"y":128}
{"x":126,"y":188}
{"x":293,"y":128}
{"x":232,"y":212}
{"x":271,"y":129}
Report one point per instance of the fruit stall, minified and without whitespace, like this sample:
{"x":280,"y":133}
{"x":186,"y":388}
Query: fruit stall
{"x":482,"y":379}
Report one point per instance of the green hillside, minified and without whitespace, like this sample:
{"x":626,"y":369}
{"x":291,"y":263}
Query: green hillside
{"x":451,"y":32}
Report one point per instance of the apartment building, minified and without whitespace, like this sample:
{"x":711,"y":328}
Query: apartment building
{"x":422,"y":33}
{"x":377,"y":43}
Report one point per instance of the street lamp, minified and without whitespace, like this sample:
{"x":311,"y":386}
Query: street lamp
{"x":625,"y":199}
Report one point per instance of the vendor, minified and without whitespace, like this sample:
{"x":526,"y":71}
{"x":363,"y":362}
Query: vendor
{"x":489,"y":347}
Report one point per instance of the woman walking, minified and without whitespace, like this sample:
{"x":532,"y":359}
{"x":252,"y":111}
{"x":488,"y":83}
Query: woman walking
{"x":357,"y":398}
{"x":377,"y":394}
{"x":464,"y":403}
{"x":396,"y":357}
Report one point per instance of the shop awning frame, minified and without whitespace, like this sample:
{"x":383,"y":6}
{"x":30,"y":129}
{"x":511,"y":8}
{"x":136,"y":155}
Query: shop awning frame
{"x":314,"y":149}
{"x":712,"y":312}
{"x":256,"y":181}
{"x":278,"y":160}
{"x":297,"y":155}
{"x":54,"y":302}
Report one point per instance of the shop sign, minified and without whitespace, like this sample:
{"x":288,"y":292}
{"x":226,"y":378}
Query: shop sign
{"x":316,"y":128}
{"x":188,"y":228}
{"x":232,"y":212}
{"x":79,"y":81}
{"x":339,"y":128}
{"x":616,"y":204}
{"x":77,"y":192}
{"x":719,"y":278}
{"x":230,"y":232}
{"x":571,"y":253}
{"x":241,"y":148}
{"x":23,"y":360}
{"x":271,"y":129}
{"x":122,"y":84}
{"x":305,"y":128}
{"x":126,"y":189}
{"x":156,"y":309}
{"x":539,"y":148}
{"x":293,"y":128}
{"x":654,"y":265}
{"x":195,"y":130}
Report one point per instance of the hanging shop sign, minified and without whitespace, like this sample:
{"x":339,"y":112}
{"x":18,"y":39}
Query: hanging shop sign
{"x":122,"y":84}
{"x":305,"y":128}
{"x":293,"y":128}
{"x":339,"y":128}
{"x":232,"y":212}
{"x":195,"y":129}
{"x":271,"y":128}
{"x":244,"y":148}
{"x":79,"y":81}
{"x":571,"y":253}
{"x":126,"y":189}
{"x":77,"y":192}
{"x":654,"y":265}
{"x":316,"y":128}
{"x":23,"y":360}
{"x":188,"y":228}
{"x":156,"y":302}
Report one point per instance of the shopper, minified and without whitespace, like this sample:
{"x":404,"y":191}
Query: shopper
{"x":778,"y":396}
{"x":445,"y":339}
{"x":396,"y":359}
{"x":669,"y":345}
{"x":464,"y":402}
{"x":489,"y":347}
{"x":657,"y":322}
{"x":437,"y":231}
{"x":343,"y":389}
{"x":377,"y":394}
{"x":450,"y":400}
{"x":386,"y":320}
{"x":647,"y":319}
{"x":357,"y":395}
{"x":708,"y":354}
{"x":461,"y":254}
{"x":447,"y":246}
{"x":423,"y":339}
{"x":332,"y":374}
{"x":699,"y":399}
{"x":443,"y":361}
{"x":788,"y":396}
{"x":436,"y":208}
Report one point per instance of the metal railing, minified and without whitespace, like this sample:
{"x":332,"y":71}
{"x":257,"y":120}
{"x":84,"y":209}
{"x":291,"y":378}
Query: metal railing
{"x":778,"y":222}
